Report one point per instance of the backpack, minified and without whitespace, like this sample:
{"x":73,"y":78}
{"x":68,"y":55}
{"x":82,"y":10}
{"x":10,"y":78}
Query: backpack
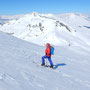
{"x":52,"y":50}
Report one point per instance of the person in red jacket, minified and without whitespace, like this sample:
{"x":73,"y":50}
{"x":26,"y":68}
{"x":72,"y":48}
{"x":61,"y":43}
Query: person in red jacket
{"x":47,"y":55}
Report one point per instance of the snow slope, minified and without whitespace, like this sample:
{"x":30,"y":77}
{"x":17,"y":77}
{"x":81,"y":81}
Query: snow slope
{"x":79,"y":22}
{"x":20,"y":66}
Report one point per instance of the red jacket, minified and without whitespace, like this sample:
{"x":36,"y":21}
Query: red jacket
{"x":48,"y":50}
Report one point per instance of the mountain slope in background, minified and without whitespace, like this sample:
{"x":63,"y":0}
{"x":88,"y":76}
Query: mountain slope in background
{"x":64,"y":29}
{"x":20,"y":66}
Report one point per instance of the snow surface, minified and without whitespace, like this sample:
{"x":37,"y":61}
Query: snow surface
{"x":20,"y":66}
{"x":20,"y":61}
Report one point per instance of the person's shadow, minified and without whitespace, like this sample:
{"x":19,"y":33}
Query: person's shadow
{"x":59,"y":65}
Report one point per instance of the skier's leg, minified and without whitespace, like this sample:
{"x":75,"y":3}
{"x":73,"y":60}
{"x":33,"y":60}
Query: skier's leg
{"x":43,"y":59}
{"x":49,"y":58}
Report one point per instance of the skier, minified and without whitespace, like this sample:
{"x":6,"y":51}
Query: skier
{"x":47,"y":55}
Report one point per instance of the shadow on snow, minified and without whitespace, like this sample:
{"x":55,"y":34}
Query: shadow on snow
{"x":59,"y":65}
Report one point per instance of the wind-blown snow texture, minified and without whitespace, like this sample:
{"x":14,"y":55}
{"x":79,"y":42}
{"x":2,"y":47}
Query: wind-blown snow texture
{"x":20,"y":61}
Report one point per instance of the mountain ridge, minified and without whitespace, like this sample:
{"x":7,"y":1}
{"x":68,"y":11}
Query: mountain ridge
{"x":32,"y":27}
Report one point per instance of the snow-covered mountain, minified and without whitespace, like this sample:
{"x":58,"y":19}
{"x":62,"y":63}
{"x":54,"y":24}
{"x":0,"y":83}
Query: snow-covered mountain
{"x":56,"y":29}
{"x":20,"y":61}
{"x":20,"y":67}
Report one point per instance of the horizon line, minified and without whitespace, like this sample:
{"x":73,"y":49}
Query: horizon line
{"x":44,"y":13}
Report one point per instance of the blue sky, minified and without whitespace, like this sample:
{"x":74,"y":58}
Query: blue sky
{"x":44,"y":6}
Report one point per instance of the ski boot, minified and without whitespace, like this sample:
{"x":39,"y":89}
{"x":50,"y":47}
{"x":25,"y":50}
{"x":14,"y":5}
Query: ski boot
{"x":51,"y":66}
{"x":43,"y":64}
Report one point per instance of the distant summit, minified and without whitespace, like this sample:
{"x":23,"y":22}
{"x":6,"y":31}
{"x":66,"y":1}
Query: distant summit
{"x":34,"y":13}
